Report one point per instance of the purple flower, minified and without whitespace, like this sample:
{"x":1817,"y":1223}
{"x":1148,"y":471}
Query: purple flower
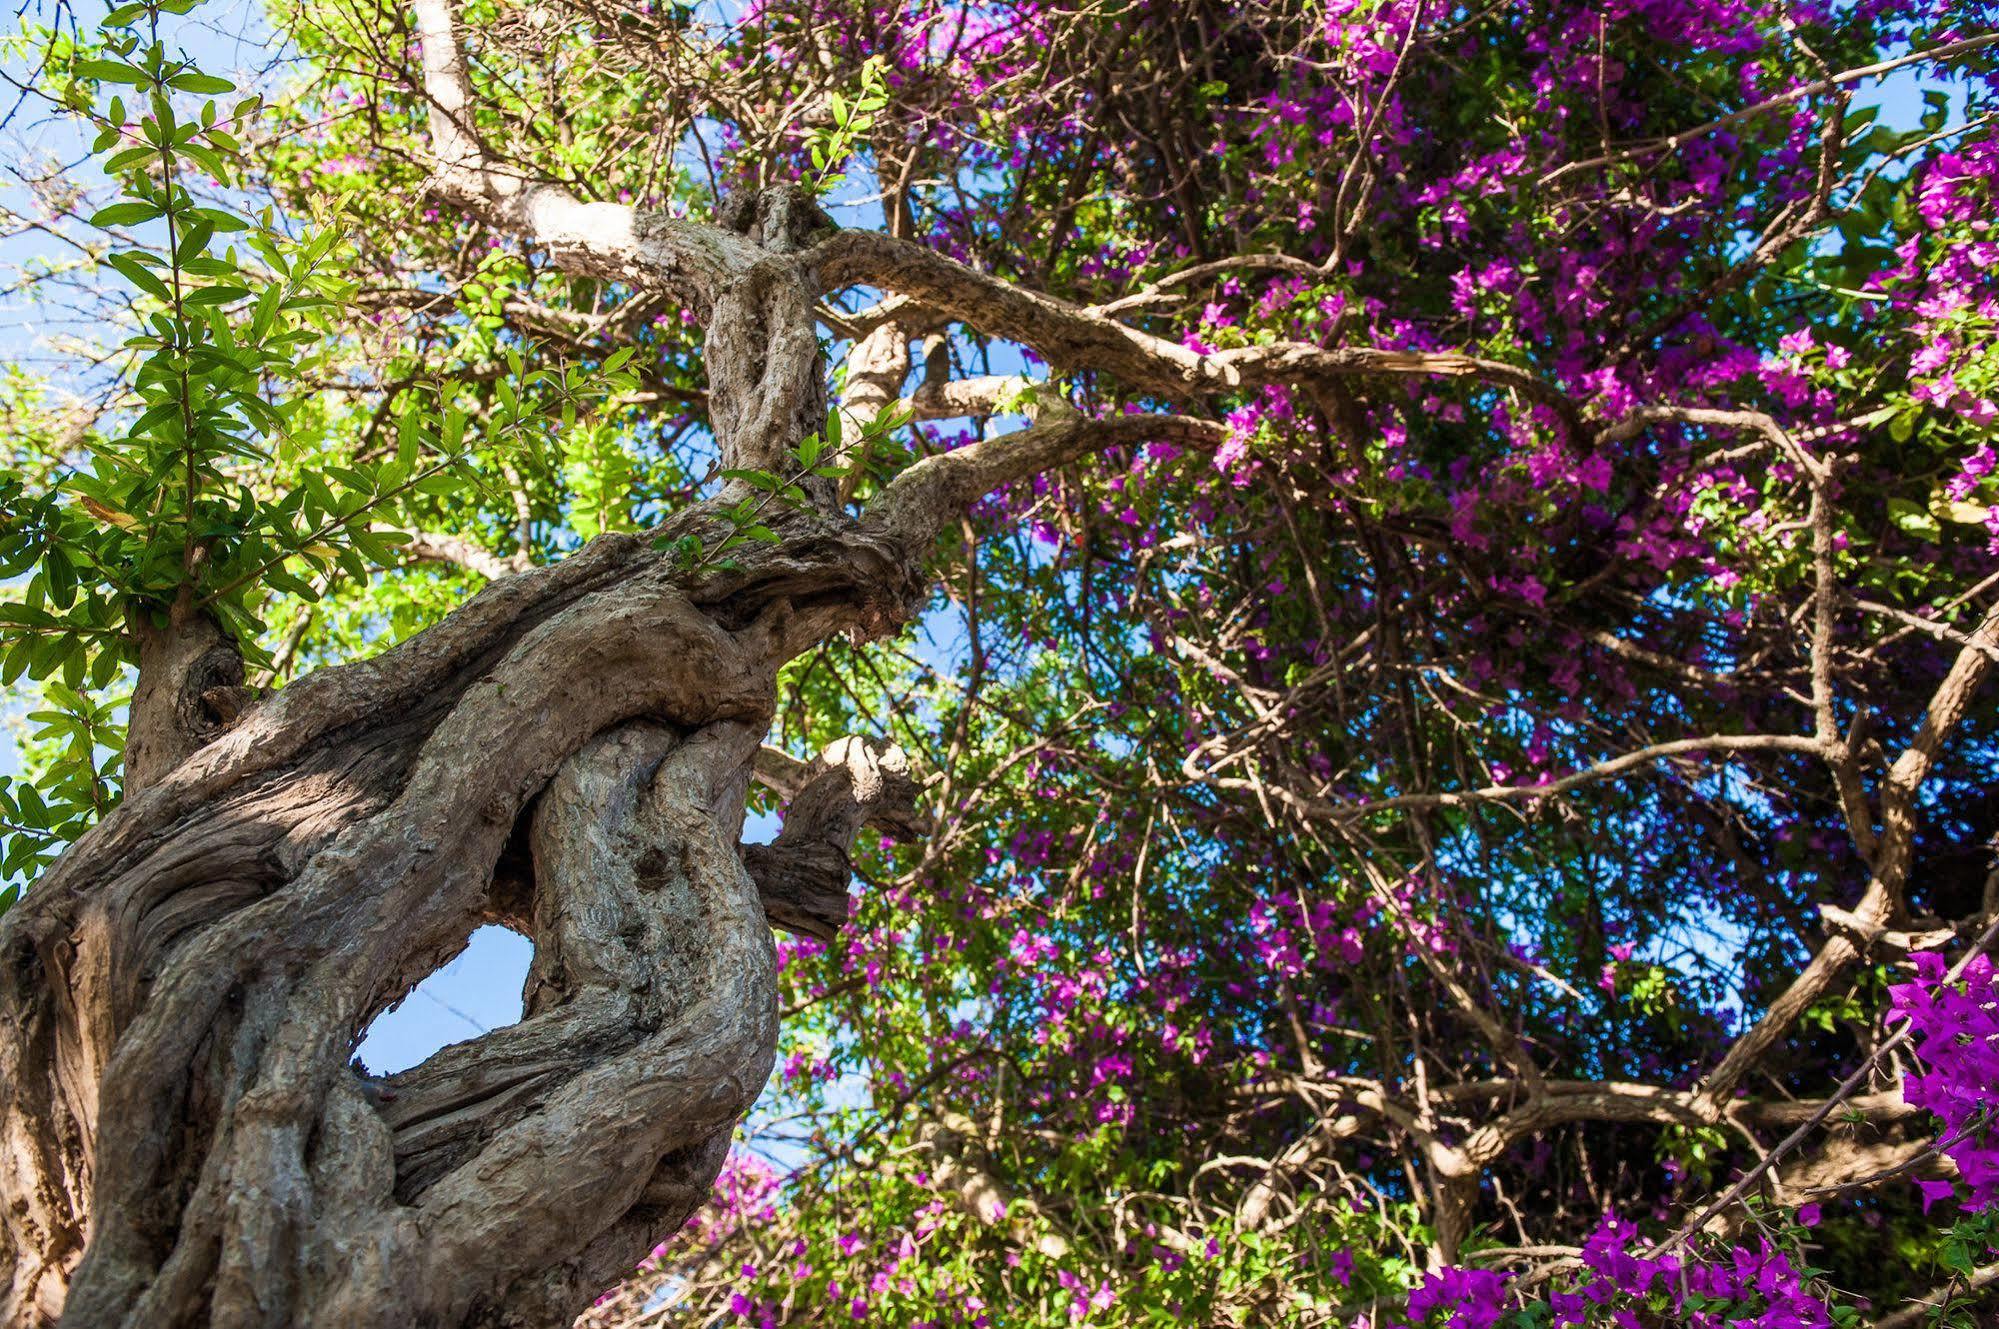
{"x":1470,"y":1298}
{"x":1934,"y":1191}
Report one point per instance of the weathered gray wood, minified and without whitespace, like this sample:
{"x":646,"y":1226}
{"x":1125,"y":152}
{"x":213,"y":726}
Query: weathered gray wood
{"x":183,"y":1140}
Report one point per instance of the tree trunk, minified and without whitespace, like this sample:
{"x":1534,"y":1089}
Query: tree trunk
{"x":183,"y":1140}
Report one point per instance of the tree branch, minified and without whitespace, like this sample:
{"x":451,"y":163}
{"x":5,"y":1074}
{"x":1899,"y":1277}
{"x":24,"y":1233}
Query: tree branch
{"x":1918,"y":1311}
{"x":608,"y":240}
{"x":918,"y":504}
{"x":1883,"y":898}
{"x":1073,"y":338}
{"x":803,"y":874}
{"x":459,"y":552}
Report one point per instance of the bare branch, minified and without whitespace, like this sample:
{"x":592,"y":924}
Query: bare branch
{"x":1670,"y":142}
{"x":1980,"y":1280}
{"x":920,"y":502}
{"x":1073,"y":338}
{"x":803,"y":875}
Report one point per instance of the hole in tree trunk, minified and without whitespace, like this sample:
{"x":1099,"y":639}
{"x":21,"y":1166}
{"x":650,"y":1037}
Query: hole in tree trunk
{"x":476,"y":990}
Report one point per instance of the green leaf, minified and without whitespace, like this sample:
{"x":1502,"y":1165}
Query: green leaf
{"x":60,"y":578}
{"x":208,"y":159}
{"x":298,"y":586}
{"x":124,"y":214}
{"x":119,"y":161}
{"x":134,"y":271}
{"x":222,"y":221}
{"x":193,"y":242}
{"x":1913,"y":520}
{"x":206,"y":84}
{"x":112,"y":71}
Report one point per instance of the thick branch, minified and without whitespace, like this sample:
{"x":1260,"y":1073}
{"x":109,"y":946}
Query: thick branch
{"x":1072,"y":338}
{"x":456,"y":550}
{"x":1882,"y":900}
{"x":986,"y":394}
{"x":608,"y":240}
{"x":802,"y":876}
{"x":187,"y":665}
{"x":953,"y":1143}
{"x":932,"y":494}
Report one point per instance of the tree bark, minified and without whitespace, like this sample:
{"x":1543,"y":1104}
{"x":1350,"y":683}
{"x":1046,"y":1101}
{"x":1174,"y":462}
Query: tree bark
{"x":183,"y":1140}
{"x":189,"y":688}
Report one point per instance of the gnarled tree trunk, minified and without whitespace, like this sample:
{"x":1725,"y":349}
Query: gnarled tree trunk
{"x":183,"y":1137}
{"x":183,"y":1140}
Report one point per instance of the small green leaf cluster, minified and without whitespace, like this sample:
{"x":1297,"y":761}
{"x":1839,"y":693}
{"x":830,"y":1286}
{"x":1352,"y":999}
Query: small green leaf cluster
{"x":831,"y":145}
{"x":825,"y":455}
{"x":78,"y":741}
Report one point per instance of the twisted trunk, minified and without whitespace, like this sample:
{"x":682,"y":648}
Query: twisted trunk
{"x":183,"y":1137}
{"x":184,"y":991}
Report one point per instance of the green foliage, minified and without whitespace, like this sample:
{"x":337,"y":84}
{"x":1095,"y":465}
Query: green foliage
{"x":825,"y":455}
{"x":75,"y":741}
{"x":223,"y":482}
{"x":831,"y":145}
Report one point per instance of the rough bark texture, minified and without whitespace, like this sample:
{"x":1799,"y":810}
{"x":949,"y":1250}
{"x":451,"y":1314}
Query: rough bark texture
{"x":185,"y":1139}
{"x":803,"y":875}
{"x":190,"y":686}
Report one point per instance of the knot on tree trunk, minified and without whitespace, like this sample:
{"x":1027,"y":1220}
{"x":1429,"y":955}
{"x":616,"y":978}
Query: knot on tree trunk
{"x":189,"y":691}
{"x":783,"y":219}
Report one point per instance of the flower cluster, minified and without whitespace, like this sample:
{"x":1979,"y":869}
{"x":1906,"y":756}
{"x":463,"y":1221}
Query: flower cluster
{"x":1956,"y":1034}
{"x":1623,"y":1283}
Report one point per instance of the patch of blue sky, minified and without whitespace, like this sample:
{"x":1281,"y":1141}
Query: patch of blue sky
{"x":477,"y":990}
